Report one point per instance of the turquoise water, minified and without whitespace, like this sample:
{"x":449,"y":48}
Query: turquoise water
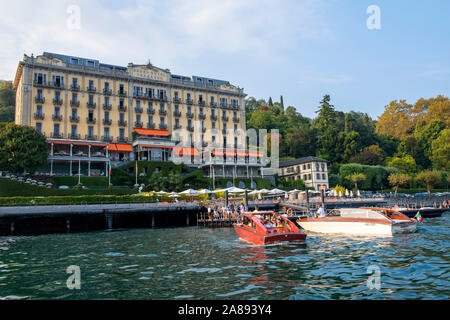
{"x":201,"y":263}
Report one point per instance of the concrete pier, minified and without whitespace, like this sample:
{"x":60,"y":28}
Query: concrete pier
{"x":77,"y":218}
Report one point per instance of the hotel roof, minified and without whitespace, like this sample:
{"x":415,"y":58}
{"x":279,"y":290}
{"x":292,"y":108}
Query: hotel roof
{"x":289,"y":163}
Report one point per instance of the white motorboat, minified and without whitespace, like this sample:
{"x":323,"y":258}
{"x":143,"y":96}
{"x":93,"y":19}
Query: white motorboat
{"x":374,"y":221}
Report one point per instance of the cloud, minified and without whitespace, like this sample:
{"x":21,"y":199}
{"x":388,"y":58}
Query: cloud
{"x":167,"y":32}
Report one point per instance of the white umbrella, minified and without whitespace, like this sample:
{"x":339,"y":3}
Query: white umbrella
{"x":204,"y":191}
{"x":262,"y":191}
{"x":358,"y":193}
{"x":286,"y":196}
{"x":351,"y":193}
{"x":295,"y":190}
{"x":254,"y":192}
{"x":160,"y":193}
{"x":276,"y":191}
{"x":174,"y":196}
{"x":340,"y":194}
{"x":232,"y":190}
{"x":346,"y":192}
{"x":190,"y":192}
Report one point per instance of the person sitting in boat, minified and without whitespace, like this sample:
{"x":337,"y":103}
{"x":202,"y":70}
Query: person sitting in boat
{"x":320,"y":212}
{"x":268,"y":224}
{"x":279,"y":223}
{"x":256,"y":209}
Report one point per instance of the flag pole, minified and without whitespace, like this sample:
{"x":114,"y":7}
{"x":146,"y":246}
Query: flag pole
{"x":79,"y":171}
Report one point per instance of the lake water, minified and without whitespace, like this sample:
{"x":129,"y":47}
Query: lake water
{"x":202,"y":263}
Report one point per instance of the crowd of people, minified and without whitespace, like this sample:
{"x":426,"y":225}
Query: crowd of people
{"x":232,"y":211}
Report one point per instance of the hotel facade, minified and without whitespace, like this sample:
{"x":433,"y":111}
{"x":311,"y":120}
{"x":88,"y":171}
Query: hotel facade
{"x":95,"y":114}
{"x":312,"y":170}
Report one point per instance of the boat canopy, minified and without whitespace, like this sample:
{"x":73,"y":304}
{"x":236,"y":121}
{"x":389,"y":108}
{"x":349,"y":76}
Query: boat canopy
{"x":361,"y":213}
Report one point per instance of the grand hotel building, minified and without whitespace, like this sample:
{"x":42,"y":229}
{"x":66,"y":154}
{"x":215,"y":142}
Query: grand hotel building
{"x":94,"y":114}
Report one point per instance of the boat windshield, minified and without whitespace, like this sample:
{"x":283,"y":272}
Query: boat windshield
{"x":361,"y":213}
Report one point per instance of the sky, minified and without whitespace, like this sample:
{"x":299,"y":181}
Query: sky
{"x":300,"y":49}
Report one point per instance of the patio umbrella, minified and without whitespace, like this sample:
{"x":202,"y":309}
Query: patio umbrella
{"x":340,"y":194}
{"x":358,"y":193}
{"x":204,"y":191}
{"x":174,"y":196}
{"x":190,"y":192}
{"x":262,"y":191}
{"x":254,"y":192}
{"x":295,"y":190}
{"x":160,"y":193}
{"x":231,"y":190}
{"x":346,"y":192}
{"x":276,"y":191}
{"x":351,"y":193}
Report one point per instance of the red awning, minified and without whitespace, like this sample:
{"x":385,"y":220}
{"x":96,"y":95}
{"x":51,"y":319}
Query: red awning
{"x":124,"y":147}
{"x":255,"y":154}
{"x":58,"y":142}
{"x":188,"y":151}
{"x":151,"y":132}
{"x":112,"y":147}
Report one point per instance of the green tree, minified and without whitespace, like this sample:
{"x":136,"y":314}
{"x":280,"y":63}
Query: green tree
{"x":22,"y":148}
{"x":356,"y":178}
{"x":440,"y":151}
{"x":398,"y":179}
{"x":405,"y":164}
{"x":429,"y":178}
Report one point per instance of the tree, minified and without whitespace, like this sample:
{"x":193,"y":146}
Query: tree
{"x":405,"y":164}
{"x":429,"y":178}
{"x":396,"y":120}
{"x":398,"y":179}
{"x":270,"y":103}
{"x":356,"y":178}
{"x":7,"y":101}
{"x":22,"y":148}
{"x":440,"y":151}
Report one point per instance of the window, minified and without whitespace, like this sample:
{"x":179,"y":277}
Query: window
{"x":235,"y":127}
{"x":91,"y":99}
{"x":106,"y":132}
{"x":161,"y":107}
{"x":74,"y":97}
{"x":39,"y":110}
{"x":40,"y":78}
{"x":56,"y":129}
{"x":106,"y":116}
{"x":91,"y":115}
{"x":309,"y":166}
{"x":91,"y":84}
{"x":121,"y":88}
{"x":90,"y":63}
{"x":39,"y":127}
{"x":73,"y":130}
{"x":318,"y":176}
{"x":106,"y":86}
{"x":74,"y":82}
{"x":121,"y":133}
{"x":138,"y":104}
{"x":161,"y":121}
{"x":90,"y":131}
{"x":213,"y":125}
{"x":106,"y":101}
{"x":150,"y":119}
{"x":323,"y":176}
{"x":138,"y":118}
{"x":189,"y":110}
{"x":121,"y":117}
{"x":74,"y":60}
{"x":57,"y":111}
{"x":74,"y":113}
{"x":177,"y":123}
{"x":323,"y":167}
{"x":39,"y":94}
{"x":213,"y":139}
{"x":121,"y":102}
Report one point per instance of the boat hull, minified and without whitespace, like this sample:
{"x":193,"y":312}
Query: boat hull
{"x":259,"y":239}
{"x":356,"y":227}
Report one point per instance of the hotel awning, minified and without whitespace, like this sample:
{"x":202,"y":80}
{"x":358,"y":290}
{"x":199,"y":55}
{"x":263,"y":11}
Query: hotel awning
{"x":151,"y":132}
{"x":152,"y":146}
{"x":188,"y":151}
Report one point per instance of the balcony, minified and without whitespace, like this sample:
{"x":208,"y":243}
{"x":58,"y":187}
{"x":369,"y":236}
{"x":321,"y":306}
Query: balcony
{"x":90,"y":137}
{"x":74,"y":119}
{"x":177,"y":126}
{"x":163,"y":126}
{"x":39,"y":116}
{"x":57,"y":117}
{"x":91,"y":105}
{"x":91,"y":89}
{"x":203,"y":129}
{"x":91,"y":120}
{"x":160,"y":97}
{"x":57,"y":101}
{"x":176,"y":100}
{"x":107,"y":106}
{"x":150,"y":125}
{"x":162,"y":112}
{"x":202,"y":116}
{"x":107,"y":91}
{"x":56,"y":135}
{"x":150,"y":111}
{"x":213,"y":117}
{"x":189,"y":115}
{"x":39,"y":99}
{"x":107,"y":122}
{"x":223,"y":104}
{"x":224,"y":131}
{"x":224,"y":118}
{"x":213,"y":104}
{"x":235,"y":106}
{"x":122,"y":123}
{"x":122,"y":108}
{"x":138,"y":110}
{"x":177,"y":113}
{"x":122,"y":139}
{"x":74,"y":103}
{"x":57,"y":85}
{"x":190,"y":128}
{"x":189,"y":101}
{"x":122,"y":93}
{"x":235,"y":119}
{"x":138,"y":124}
{"x":74,"y":136}
{"x":75,"y":87}
{"x":41,"y":83}
{"x":107,"y":138}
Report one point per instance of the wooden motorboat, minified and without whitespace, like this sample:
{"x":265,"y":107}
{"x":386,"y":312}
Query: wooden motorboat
{"x":267,"y":227}
{"x":376,"y":221}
